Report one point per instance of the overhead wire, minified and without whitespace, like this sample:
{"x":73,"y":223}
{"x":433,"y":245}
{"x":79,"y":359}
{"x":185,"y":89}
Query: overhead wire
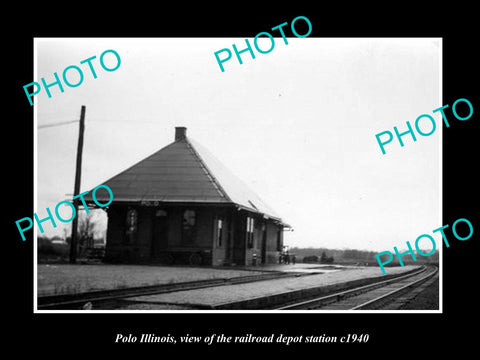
{"x":100,"y":122}
{"x":56,"y":124}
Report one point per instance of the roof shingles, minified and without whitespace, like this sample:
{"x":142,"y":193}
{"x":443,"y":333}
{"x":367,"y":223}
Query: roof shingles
{"x":183,"y":171}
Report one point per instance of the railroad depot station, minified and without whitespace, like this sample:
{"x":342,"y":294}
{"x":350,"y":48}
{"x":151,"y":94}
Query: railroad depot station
{"x":181,"y":205}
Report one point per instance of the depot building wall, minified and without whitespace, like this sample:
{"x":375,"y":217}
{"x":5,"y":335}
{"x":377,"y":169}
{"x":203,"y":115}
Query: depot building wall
{"x":137,"y":234}
{"x":266,"y":243}
{"x":134,"y":233}
{"x":125,"y":244}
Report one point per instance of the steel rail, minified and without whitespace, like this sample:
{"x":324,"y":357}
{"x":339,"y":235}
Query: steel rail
{"x":395,"y":292}
{"x":336,"y":297}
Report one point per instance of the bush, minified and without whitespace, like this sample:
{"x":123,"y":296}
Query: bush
{"x":48,"y":250}
{"x":311,"y":259}
{"x":326,"y":259}
{"x":44,"y":246}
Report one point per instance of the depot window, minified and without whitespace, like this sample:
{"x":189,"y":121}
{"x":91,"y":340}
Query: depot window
{"x":219,"y":232}
{"x":132,"y":219}
{"x":188,"y":226}
{"x":249,"y":232}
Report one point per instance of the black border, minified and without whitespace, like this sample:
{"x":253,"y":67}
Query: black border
{"x":408,"y":334}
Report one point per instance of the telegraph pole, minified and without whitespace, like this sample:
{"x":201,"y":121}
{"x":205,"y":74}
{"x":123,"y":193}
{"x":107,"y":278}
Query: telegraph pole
{"x":78,"y":174}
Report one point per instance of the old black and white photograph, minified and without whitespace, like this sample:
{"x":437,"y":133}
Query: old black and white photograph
{"x":303,"y":179}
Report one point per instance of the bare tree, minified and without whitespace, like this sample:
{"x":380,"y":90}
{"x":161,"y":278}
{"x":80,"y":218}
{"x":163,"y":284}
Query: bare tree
{"x":85,"y":231}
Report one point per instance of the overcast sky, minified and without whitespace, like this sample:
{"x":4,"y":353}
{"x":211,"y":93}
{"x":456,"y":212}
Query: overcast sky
{"x":297,"y":125}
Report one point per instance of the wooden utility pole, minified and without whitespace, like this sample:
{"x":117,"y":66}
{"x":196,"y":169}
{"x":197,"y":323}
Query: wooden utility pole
{"x":76,"y":190}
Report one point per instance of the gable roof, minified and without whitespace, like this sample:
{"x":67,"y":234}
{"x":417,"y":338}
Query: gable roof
{"x":183,"y":171}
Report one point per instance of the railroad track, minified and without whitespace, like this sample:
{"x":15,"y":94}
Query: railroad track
{"x":369,"y":297}
{"x":97,"y":299}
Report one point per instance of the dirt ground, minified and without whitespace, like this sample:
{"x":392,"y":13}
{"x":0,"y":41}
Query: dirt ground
{"x":66,"y":279}
{"x":427,"y":299}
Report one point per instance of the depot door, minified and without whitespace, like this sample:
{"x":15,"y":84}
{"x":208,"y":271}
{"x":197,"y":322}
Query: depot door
{"x":264,"y":243}
{"x":160,"y":232}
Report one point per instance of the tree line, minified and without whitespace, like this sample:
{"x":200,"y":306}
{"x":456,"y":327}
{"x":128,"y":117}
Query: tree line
{"x":353,"y":257}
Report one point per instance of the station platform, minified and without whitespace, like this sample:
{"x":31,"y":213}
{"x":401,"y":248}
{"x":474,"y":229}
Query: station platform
{"x":242,"y":287}
{"x":262,"y":294}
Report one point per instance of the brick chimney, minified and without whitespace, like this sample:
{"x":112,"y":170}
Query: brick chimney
{"x":180,"y":133}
